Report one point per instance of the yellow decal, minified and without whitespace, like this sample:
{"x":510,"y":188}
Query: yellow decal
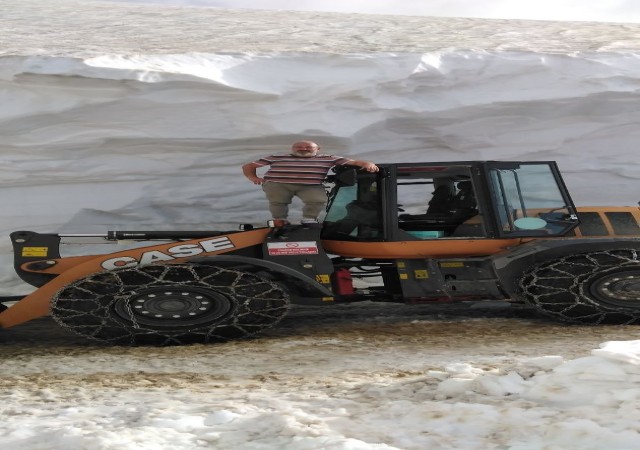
{"x":401,"y":264}
{"x":421,"y":274}
{"x":324,"y":279}
{"x":327,"y":299}
{"x":35,"y":251}
{"x":452,"y":264}
{"x":404,"y":276}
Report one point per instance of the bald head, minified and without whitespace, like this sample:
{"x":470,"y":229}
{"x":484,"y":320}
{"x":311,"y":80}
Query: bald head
{"x":306,"y":149}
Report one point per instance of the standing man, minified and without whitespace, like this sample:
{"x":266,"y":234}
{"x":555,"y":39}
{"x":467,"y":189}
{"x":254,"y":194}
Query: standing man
{"x":299,"y":173}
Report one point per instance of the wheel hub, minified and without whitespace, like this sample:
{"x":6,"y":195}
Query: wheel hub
{"x":622,"y":286}
{"x":174,"y":305}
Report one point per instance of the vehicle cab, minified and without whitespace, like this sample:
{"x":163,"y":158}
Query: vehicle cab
{"x":441,"y":203}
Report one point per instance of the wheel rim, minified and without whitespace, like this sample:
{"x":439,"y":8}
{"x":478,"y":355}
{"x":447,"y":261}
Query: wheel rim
{"x":174,"y":306}
{"x":621,"y":288}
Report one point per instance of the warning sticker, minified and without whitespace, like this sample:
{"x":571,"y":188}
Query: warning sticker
{"x":452,"y":264}
{"x":34,"y":251}
{"x":292,"y":248}
{"x":421,"y":274}
{"x":324,"y":279}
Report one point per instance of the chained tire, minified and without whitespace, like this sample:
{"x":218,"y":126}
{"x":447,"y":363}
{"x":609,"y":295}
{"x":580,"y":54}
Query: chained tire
{"x":600,"y":287}
{"x":173,"y":304}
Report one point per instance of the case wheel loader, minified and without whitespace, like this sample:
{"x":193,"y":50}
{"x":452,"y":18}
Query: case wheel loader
{"x":411,"y":233}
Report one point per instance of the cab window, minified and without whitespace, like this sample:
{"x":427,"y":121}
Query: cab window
{"x":529,"y":199}
{"x":354,"y":212}
{"x":437,"y":202}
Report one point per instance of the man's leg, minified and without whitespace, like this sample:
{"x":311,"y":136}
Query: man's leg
{"x":279,"y":196}
{"x":314,"y":198}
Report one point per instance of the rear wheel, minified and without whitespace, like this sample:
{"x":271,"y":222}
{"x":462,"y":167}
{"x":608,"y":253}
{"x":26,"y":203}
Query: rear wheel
{"x":169,"y":305}
{"x":590,"y":288}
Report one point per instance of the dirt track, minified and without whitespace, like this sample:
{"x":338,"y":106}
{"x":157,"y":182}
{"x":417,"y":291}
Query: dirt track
{"x":446,"y":330}
{"x":335,"y":351}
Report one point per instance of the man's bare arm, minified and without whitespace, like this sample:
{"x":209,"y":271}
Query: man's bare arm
{"x":249,"y":171}
{"x":366,"y":165}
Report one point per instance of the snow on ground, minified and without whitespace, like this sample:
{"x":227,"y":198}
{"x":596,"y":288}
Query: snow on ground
{"x":130,"y":116}
{"x":345,"y":377}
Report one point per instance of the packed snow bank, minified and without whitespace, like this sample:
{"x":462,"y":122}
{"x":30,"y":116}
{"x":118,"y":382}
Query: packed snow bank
{"x":135,"y":116}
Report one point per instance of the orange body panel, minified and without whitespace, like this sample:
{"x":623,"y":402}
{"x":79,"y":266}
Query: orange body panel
{"x":432,"y":248}
{"x":37,"y":303}
{"x":601,"y":210}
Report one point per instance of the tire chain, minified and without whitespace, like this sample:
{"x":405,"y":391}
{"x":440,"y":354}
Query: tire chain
{"x":557,"y":288}
{"x":86,"y":306}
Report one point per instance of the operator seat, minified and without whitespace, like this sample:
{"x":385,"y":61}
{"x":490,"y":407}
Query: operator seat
{"x":446,"y":212}
{"x":441,"y":200}
{"x":464,"y":210}
{"x":464,"y":202}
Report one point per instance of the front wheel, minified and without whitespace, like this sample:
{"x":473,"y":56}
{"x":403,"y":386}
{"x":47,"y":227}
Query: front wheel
{"x":169,"y":304}
{"x":590,"y":288}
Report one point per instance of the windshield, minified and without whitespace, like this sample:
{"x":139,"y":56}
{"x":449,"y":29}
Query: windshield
{"x":530,"y":197}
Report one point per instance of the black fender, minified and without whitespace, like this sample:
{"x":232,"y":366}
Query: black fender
{"x":296,"y":283}
{"x":511,"y":265}
{"x":34,"y":248}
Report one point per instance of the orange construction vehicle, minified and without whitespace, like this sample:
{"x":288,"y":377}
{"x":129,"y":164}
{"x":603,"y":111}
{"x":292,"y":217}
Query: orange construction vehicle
{"x":411,"y":233}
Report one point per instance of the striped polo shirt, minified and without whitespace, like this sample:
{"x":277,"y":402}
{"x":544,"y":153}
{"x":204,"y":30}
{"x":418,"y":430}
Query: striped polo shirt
{"x":298,"y":169}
